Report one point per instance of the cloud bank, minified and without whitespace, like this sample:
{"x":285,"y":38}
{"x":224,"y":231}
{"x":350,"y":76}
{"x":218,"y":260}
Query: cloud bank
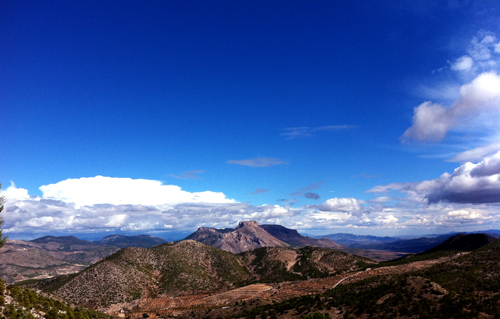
{"x":470,"y":184}
{"x":61,"y":209}
{"x":98,"y":204}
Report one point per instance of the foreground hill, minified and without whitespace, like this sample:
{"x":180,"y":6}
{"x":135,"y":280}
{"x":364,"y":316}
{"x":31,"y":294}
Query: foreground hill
{"x":247,"y":236}
{"x":26,"y":303}
{"x":452,"y":246}
{"x":466,"y":286}
{"x":134,"y":272}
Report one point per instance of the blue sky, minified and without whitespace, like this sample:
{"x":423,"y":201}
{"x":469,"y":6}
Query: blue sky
{"x":124,"y":116}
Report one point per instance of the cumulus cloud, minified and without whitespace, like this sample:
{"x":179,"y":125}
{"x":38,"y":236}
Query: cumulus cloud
{"x":478,"y":99}
{"x":470,"y":183}
{"x":304,"y":131}
{"x":194,"y":174}
{"x":341,"y":205}
{"x":120,"y":191}
{"x":259,"y":162}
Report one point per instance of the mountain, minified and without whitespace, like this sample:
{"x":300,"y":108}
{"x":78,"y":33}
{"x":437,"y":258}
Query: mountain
{"x":462,"y":242}
{"x":135,"y":272}
{"x":175,"y":269}
{"x":120,"y":241}
{"x":246,"y":236}
{"x":61,"y":241}
{"x":51,"y":256}
{"x":292,"y":237}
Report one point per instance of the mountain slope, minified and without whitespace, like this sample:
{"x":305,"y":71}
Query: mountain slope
{"x":21,"y":260}
{"x":247,"y":236}
{"x":292,"y":237}
{"x":465,"y":286}
{"x":134,"y":272}
{"x":462,"y":242}
{"x":277,"y":264}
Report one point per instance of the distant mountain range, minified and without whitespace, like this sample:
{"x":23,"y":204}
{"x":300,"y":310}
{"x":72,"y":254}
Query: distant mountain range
{"x":395,"y":244}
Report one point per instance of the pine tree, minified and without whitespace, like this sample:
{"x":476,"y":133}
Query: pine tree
{"x":3,"y":239}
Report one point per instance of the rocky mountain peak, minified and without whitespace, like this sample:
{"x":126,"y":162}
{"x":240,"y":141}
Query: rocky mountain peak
{"x":247,"y":223}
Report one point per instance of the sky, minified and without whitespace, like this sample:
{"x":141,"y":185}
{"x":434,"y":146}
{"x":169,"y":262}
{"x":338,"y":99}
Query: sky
{"x":158,"y":117}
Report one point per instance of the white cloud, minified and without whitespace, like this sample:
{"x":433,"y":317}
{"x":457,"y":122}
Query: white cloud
{"x":477,"y":101}
{"x":464,"y":63}
{"x":341,"y":205}
{"x":13,"y":192}
{"x":476,"y":153}
{"x":121,"y":191}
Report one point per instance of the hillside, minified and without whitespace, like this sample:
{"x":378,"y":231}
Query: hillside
{"x":246,"y":236}
{"x":278,"y":264}
{"x":462,"y":242}
{"x":134,"y":272}
{"x":26,"y":303}
{"x":465,"y":286}
{"x":21,"y":260}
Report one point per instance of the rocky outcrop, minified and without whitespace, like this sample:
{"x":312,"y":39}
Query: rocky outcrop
{"x":292,"y":237}
{"x":246,"y":236}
